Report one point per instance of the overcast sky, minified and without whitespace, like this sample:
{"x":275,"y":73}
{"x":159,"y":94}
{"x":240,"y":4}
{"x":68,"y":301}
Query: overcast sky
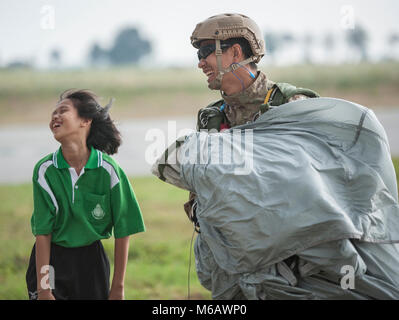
{"x":27,"y":30}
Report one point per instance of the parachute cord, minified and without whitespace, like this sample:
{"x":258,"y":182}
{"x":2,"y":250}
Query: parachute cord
{"x":189,"y":265}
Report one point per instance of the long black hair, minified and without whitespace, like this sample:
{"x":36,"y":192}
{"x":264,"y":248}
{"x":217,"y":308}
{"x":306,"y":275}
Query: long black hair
{"x":103,"y":134}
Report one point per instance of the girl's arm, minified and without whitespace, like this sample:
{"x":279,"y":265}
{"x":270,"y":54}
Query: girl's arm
{"x":120,"y":262}
{"x":43,"y":243}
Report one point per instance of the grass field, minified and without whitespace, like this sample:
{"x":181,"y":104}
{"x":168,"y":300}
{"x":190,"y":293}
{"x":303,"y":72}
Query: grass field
{"x":30,"y":95}
{"x":158,"y":259}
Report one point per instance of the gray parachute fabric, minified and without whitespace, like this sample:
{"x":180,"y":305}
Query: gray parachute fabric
{"x":311,"y":179}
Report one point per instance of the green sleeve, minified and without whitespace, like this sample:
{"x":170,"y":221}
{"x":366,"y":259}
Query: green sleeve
{"x":44,"y":211}
{"x":126,"y":213}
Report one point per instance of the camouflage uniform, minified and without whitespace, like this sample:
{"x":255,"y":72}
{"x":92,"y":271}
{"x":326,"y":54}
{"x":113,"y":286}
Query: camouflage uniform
{"x":246,"y":106}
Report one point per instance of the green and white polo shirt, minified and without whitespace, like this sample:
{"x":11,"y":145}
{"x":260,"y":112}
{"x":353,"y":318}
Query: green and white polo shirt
{"x":78,"y":210}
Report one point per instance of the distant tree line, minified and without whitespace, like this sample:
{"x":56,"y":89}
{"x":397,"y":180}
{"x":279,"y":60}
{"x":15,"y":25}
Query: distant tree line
{"x":129,"y":47}
{"x":356,"y":41}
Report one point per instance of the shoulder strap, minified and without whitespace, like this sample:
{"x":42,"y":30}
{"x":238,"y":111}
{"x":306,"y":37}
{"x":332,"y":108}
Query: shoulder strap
{"x":281,"y":92}
{"x":286,"y":91}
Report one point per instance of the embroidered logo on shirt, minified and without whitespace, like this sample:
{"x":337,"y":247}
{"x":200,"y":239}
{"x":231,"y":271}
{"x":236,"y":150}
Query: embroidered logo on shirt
{"x":98,"y":213}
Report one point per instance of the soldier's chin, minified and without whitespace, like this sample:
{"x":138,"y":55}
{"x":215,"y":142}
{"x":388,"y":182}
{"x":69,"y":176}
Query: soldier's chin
{"x":214,"y":84}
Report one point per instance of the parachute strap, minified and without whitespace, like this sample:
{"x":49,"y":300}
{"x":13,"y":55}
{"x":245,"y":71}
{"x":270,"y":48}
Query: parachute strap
{"x":287,"y":91}
{"x":269,"y":93}
{"x":280,"y":94}
{"x":265,"y":105}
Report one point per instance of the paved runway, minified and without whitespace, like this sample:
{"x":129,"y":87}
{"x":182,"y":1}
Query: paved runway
{"x":21,"y":146}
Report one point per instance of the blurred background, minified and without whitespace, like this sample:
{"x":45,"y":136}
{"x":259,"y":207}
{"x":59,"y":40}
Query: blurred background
{"x":139,"y":52}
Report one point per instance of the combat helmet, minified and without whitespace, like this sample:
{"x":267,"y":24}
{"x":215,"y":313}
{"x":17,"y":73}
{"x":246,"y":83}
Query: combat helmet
{"x":225,"y":26}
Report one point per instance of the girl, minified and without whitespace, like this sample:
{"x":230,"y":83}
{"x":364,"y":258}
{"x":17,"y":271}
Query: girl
{"x":80,"y":194}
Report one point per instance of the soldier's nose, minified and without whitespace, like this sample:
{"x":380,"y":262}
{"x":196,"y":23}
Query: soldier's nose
{"x":201,"y":63}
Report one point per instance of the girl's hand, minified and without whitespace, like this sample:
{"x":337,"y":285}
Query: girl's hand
{"x":45,"y":295}
{"x":117,"y":293}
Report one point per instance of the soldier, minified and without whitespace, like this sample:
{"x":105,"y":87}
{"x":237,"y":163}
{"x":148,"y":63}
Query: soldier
{"x":229,"y":48}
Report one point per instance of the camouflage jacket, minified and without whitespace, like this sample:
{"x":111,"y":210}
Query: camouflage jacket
{"x":246,"y":106}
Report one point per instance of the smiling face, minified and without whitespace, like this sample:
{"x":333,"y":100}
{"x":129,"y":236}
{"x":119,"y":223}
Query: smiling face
{"x":231,"y":54}
{"x":209,"y":64}
{"x":66,"y":124}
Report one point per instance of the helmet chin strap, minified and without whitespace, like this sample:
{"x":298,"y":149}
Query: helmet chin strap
{"x":216,"y":84}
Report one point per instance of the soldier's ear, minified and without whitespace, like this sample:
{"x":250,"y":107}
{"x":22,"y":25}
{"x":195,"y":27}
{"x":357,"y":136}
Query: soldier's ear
{"x":237,"y":51}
